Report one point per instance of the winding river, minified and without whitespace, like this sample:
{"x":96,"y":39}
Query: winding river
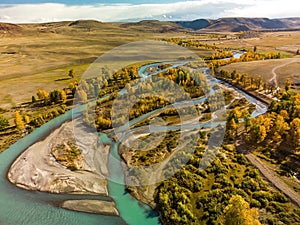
{"x":18,"y":206}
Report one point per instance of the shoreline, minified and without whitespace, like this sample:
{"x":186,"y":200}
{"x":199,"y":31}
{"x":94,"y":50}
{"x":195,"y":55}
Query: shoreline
{"x":36,"y":169}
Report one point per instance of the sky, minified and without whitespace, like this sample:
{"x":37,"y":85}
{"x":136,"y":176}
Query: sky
{"x":37,"y":11}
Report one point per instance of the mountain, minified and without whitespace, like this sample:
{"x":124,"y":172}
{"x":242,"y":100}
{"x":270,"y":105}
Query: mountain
{"x":241,"y":24}
{"x":196,"y":24}
{"x":156,"y":26}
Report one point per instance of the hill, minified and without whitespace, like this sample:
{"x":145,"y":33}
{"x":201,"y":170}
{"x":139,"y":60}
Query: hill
{"x":9,"y":28}
{"x":154,"y":26}
{"x":196,"y":24}
{"x":241,"y":24}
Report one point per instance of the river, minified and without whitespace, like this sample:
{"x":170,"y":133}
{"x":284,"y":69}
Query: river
{"x":18,"y":206}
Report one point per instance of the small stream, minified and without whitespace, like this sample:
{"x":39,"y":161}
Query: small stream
{"x":18,"y":206}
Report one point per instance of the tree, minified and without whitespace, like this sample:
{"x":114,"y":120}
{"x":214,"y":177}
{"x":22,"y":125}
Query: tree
{"x":26,"y":119}
{"x":280,"y":127}
{"x":19,"y":121}
{"x":3,"y":122}
{"x":288,"y":84}
{"x":82,"y":95}
{"x":33,"y":100}
{"x":71,"y":73}
{"x":246,"y":116}
{"x":238,"y":212}
{"x":63,"y":96}
{"x":42,"y":94}
{"x":295,"y":132}
{"x":298,"y":52}
{"x":232,"y":128}
{"x":255,"y":49}
{"x":57,"y":96}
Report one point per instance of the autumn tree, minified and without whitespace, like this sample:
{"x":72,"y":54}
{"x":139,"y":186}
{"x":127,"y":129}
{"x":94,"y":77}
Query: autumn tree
{"x":295,"y":132}
{"x":57,"y":96}
{"x":43,"y":95}
{"x":238,"y":212}
{"x":280,"y":128}
{"x":26,"y":119}
{"x":19,"y":121}
{"x":63,"y":96}
{"x":257,"y":131}
{"x":103,"y":123}
{"x":82,"y":95}
{"x":246,"y":116}
{"x":288,"y":84}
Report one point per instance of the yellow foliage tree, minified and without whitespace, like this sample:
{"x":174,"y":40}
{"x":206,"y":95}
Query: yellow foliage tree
{"x":43,"y":95}
{"x":19,"y":121}
{"x":238,"y":212}
{"x":26,"y":119}
{"x":295,"y":132}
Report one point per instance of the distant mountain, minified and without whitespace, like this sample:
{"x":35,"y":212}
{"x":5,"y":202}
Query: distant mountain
{"x":196,"y":24}
{"x":240,"y":24}
{"x":156,"y":26}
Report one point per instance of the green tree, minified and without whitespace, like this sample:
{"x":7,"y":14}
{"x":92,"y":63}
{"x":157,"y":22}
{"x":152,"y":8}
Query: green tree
{"x":3,"y":122}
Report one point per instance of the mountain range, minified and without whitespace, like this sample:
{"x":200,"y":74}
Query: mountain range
{"x":199,"y":25}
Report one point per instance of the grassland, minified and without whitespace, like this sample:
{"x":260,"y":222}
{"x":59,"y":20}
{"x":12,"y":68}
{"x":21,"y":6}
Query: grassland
{"x":284,"y":68}
{"x":43,"y":53}
{"x":284,"y":42}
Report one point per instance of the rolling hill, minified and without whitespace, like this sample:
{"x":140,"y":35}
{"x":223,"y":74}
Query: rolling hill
{"x":241,"y":24}
{"x":156,"y":26}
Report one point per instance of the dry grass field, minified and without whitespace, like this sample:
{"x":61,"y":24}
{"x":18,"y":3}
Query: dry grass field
{"x":40,"y":54}
{"x":284,"y":42}
{"x":284,"y":68}
{"x":35,"y":56}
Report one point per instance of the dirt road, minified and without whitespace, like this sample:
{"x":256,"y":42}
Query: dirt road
{"x":274,"y":78}
{"x":268,"y":173}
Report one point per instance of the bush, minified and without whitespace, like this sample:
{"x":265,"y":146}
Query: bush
{"x":275,"y":207}
{"x":250,"y":185}
{"x":241,"y":159}
{"x":254,"y":203}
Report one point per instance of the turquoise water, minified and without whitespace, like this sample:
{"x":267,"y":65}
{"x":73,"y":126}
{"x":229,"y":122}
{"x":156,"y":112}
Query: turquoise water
{"x":18,"y":207}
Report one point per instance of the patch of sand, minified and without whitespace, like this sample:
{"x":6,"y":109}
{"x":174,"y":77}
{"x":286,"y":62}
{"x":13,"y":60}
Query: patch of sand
{"x":37,"y":169}
{"x":92,"y":206}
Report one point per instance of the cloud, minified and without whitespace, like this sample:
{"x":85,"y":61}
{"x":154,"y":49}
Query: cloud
{"x":184,"y":10}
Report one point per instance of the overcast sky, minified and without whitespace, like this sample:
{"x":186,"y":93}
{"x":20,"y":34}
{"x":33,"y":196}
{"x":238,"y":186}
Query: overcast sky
{"x":28,"y":11}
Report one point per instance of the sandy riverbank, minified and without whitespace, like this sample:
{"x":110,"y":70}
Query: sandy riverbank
{"x":37,"y":168}
{"x":92,"y":206}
